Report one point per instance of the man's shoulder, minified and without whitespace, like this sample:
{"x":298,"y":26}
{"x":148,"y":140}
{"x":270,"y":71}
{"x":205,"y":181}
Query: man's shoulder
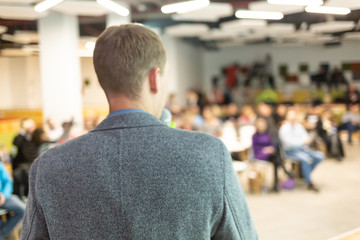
{"x":193,"y":136}
{"x":61,"y":151}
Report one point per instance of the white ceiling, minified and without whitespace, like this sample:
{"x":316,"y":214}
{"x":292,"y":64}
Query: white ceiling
{"x":219,"y":34}
{"x":276,"y":29}
{"x":243,"y":24}
{"x":17,"y":1}
{"x":231,"y":33}
{"x":352,"y":4}
{"x":19,"y":13}
{"x":331,"y":27}
{"x":212,"y":13}
{"x":265,"y":6}
{"x":3,"y":29}
{"x":187,"y":30}
{"x":352,"y":36}
{"x":85,"y":8}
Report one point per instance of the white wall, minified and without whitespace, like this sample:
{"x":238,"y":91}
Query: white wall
{"x":213,"y":61}
{"x":190,"y":67}
{"x":20,"y":78}
{"x":93,"y":95}
{"x":5,"y":87}
{"x":185,"y":67}
{"x":33,"y":83}
{"x":20,"y":83}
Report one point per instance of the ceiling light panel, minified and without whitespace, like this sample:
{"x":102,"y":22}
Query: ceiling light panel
{"x":351,"y":4}
{"x":211,"y":13}
{"x":259,"y":15}
{"x":184,"y":7}
{"x":115,"y":7}
{"x":18,"y":1}
{"x":328,"y":10}
{"x":332,"y":27}
{"x":83,"y":8}
{"x":265,"y":6}
{"x":47,"y":4}
{"x":296,"y":2}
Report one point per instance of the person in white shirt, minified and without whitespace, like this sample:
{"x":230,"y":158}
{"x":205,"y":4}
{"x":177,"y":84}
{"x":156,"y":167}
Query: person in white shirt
{"x":295,"y":141}
{"x":54,"y":131}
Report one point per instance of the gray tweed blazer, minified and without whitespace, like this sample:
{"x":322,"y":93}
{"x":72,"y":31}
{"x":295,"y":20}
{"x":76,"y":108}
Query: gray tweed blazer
{"x":135,"y":178}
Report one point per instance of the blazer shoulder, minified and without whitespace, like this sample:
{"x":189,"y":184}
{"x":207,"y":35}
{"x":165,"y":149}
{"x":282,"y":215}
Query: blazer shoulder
{"x":62,"y":150}
{"x":197,"y":138}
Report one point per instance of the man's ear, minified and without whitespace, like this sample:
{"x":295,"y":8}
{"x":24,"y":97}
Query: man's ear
{"x":154,"y":80}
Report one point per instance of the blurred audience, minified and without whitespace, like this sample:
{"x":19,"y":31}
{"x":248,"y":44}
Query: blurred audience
{"x":351,"y":121}
{"x":352,"y":95}
{"x":54,"y":131}
{"x":212,"y":124}
{"x":248,"y":116}
{"x":265,"y":149}
{"x":67,"y":134}
{"x":229,"y":112}
{"x":11,"y":203}
{"x":41,"y":140}
{"x":334,"y":146}
{"x":22,"y":152}
{"x":25,"y":153}
{"x":336,"y":79}
{"x":295,"y":141}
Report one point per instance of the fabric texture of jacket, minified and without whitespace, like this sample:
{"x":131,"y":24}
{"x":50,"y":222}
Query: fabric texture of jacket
{"x":135,"y":178}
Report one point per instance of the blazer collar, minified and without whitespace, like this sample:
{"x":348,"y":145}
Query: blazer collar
{"x":128,"y":120}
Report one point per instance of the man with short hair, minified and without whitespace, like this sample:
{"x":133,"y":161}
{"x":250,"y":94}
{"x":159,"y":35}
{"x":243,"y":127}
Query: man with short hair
{"x":133,"y":177}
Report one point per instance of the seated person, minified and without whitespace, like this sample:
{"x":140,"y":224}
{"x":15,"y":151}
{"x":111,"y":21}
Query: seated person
{"x":314,"y":126}
{"x":334,"y":147}
{"x":265,"y":150}
{"x":296,"y":140}
{"x":212,"y":124}
{"x":350,"y":121}
{"x":8,"y":202}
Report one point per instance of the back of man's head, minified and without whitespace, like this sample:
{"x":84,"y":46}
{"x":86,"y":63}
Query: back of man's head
{"x":123,"y":57}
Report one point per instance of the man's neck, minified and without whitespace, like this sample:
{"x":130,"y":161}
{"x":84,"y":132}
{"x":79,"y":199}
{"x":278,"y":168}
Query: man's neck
{"x":121,"y":103}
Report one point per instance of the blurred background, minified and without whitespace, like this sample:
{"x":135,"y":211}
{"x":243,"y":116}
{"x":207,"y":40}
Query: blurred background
{"x":231,"y":63}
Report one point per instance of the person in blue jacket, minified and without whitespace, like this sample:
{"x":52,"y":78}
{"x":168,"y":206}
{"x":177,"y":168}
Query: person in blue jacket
{"x":10,"y":203}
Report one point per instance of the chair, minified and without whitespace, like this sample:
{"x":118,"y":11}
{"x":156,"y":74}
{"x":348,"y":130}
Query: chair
{"x":295,"y":164}
{"x":15,"y":232}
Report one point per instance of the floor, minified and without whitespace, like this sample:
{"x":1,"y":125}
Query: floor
{"x":300,"y":214}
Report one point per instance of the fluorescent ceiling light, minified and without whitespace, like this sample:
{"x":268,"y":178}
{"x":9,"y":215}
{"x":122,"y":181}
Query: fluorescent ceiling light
{"x":45,"y":5}
{"x":328,"y":10}
{"x":115,"y":7}
{"x":297,"y":2}
{"x":259,"y":15}
{"x":184,"y":7}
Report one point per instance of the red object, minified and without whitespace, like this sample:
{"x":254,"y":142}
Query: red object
{"x":231,"y":76}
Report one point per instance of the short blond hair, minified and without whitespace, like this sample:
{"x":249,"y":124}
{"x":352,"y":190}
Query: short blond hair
{"x":124,"y":55}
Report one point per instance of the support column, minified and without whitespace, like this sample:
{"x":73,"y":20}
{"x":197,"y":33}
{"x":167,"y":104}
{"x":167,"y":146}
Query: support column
{"x":114,"y":19}
{"x":60,"y":68}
